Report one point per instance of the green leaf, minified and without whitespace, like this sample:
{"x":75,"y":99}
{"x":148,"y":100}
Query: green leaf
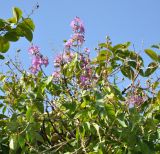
{"x":1,"y":56}
{"x":127,"y":71}
{"x":151,"y":68}
{"x":97,"y":129}
{"x":151,"y":54}
{"x":3,"y":116}
{"x":110,"y":110}
{"x":17,"y":13}
{"x":122,"y":123}
{"x":157,"y":46}
{"x":122,"y":47}
{"x":29,"y":113}
{"x":39,"y":105}
{"x":13,"y":142}
{"x":11,"y":36}
{"x":2,"y":23}
{"x":4,"y":45}
{"x":39,"y":137}
{"x":29,"y":23}
{"x":24,"y":31}
{"x":103,"y":55}
{"x":12,"y":20}
{"x":21,"y":141}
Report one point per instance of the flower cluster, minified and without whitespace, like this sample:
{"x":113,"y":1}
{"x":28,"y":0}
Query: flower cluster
{"x":60,"y":60}
{"x":87,"y":71}
{"x":37,"y":60}
{"x":135,"y":100}
{"x":64,"y":58}
{"x":77,"y":39}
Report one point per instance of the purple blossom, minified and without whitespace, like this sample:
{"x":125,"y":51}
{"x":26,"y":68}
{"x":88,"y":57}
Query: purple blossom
{"x":77,"y":25}
{"x":33,"y":50}
{"x":84,"y":80}
{"x":68,"y":56}
{"x":58,"y":60}
{"x":79,"y":38}
{"x":69,"y":43}
{"x":37,"y":60}
{"x":56,"y":74}
{"x":135,"y":99}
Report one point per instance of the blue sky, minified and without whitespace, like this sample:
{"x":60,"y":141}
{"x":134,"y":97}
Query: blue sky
{"x":123,"y":20}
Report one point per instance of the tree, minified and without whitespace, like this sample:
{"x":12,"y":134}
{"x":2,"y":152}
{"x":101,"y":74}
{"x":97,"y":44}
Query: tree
{"x":81,"y":108}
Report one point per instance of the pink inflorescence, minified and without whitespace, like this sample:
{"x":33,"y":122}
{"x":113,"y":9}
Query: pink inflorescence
{"x":78,"y":34}
{"x":38,"y":59}
{"x":135,"y":100}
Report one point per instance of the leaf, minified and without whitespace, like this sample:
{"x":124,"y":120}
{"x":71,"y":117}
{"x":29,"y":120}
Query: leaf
{"x":21,"y":141}
{"x":97,"y":129}
{"x":29,"y":113}
{"x":127,"y":71}
{"x":110,"y":110}
{"x":39,"y":105}
{"x":24,"y":31}
{"x":39,"y":137}
{"x":157,"y":46}
{"x":151,"y":68}
{"x":2,"y":23}
{"x":11,"y":36}
{"x":2,"y":116}
{"x":29,"y":23}
{"x":122,"y":47}
{"x":151,"y":54}
{"x":12,"y":20}
{"x":17,"y":13}
{"x":13,"y":142}
{"x":1,"y":57}
{"x":102,"y":45}
{"x":122,"y":123}
{"x":4,"y":45}
{"x":49,"y":80}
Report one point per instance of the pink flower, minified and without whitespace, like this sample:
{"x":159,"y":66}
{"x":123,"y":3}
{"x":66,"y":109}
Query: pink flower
{"x":69,"y":43}
{"x":77,"y":25}
{"x":84,"y":80}
{"x":135,"y":99}
{"x":56,"y":74}
{"x":79,"y":38}
{"x":58,"y":60}
{"x":33,"y":50}
{"x":37,"y":59}
{"x":33,"y":69}
{"x":68,"y":56}
{"x":36,"y":62}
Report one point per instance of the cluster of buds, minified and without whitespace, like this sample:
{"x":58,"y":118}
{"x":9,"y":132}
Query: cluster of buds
{"x":37,"y":60}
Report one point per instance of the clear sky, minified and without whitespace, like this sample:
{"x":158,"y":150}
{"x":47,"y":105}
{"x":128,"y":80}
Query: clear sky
{"x":123,"y":20}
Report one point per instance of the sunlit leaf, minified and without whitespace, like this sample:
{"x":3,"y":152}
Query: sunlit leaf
{"x":151,"y":54}
{"x":17,"y":13}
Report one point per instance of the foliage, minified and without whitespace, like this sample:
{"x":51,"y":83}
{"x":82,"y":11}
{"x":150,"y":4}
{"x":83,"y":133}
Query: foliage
{"x":14,"y":28}
{"x":81,"y":107}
